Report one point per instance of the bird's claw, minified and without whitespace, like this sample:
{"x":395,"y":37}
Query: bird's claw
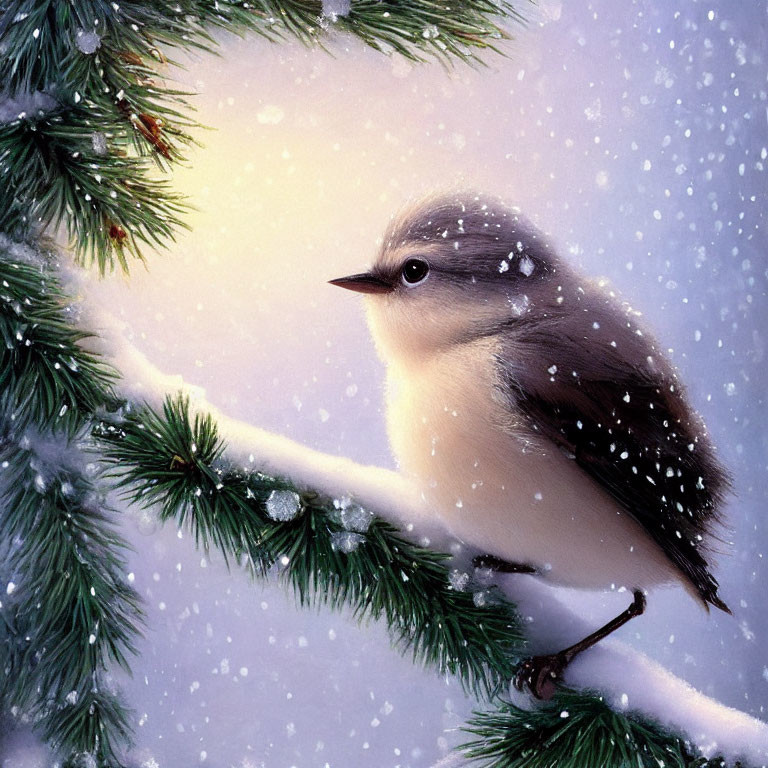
{"x":540,"y":675}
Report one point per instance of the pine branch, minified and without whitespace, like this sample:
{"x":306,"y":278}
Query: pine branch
{"x":577,"y":730}
{"x":47,"y":37}
{"x":47,"y":379}
{"x":178,"y":463}
{"x":86,"y":161}
{"x":69,"y":613}
{"x":425,"y":29}
{"x":54,"y":172}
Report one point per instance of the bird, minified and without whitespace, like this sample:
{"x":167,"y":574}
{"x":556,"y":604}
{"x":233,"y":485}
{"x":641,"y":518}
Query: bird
{"x":537,"y":414}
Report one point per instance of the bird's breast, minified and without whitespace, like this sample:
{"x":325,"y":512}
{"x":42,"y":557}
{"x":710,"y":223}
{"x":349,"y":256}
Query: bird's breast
{"x":499,"y":488}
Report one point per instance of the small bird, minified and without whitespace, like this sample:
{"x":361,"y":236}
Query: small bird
{"x":538,"y":416}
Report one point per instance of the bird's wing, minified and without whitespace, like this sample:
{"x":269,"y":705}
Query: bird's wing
{"x":597,"y":387}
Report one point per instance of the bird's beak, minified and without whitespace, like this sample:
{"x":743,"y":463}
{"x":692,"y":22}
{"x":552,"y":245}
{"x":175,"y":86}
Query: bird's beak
{"x":365,"y":282}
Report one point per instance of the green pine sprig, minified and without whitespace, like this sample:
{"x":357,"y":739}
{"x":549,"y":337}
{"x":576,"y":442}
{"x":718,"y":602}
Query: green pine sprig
{"x":47,"y":37}
{"x":577,"y":729}
{"x":90,"y":160}
{"x":47,"y":379}
{"x":56,"y":172}
{"x":69,"y":613}
{"x":178,"y":463}
{"x":425,"y":29}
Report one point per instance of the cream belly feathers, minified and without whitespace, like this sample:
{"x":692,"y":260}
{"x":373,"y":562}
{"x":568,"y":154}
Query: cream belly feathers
{"x":547,"y":510}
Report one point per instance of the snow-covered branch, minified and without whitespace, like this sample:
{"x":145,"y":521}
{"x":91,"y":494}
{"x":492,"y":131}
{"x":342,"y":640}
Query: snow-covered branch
{"x":628,"y":678}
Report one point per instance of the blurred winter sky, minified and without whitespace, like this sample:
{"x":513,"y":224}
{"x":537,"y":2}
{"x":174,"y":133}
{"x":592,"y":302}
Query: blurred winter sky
{"x":636,"y":134}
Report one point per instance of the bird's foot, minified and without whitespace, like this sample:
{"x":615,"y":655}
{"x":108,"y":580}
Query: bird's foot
{"x":540,"y":674}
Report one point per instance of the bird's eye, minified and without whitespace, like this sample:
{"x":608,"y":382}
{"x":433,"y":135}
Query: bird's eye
{"x":415,"y":270}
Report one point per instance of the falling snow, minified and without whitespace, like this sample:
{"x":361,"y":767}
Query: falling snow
{"x":657,"y":161}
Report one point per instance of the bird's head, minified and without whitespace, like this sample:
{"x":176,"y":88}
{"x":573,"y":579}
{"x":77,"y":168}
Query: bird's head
{"x":451,"y":269}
